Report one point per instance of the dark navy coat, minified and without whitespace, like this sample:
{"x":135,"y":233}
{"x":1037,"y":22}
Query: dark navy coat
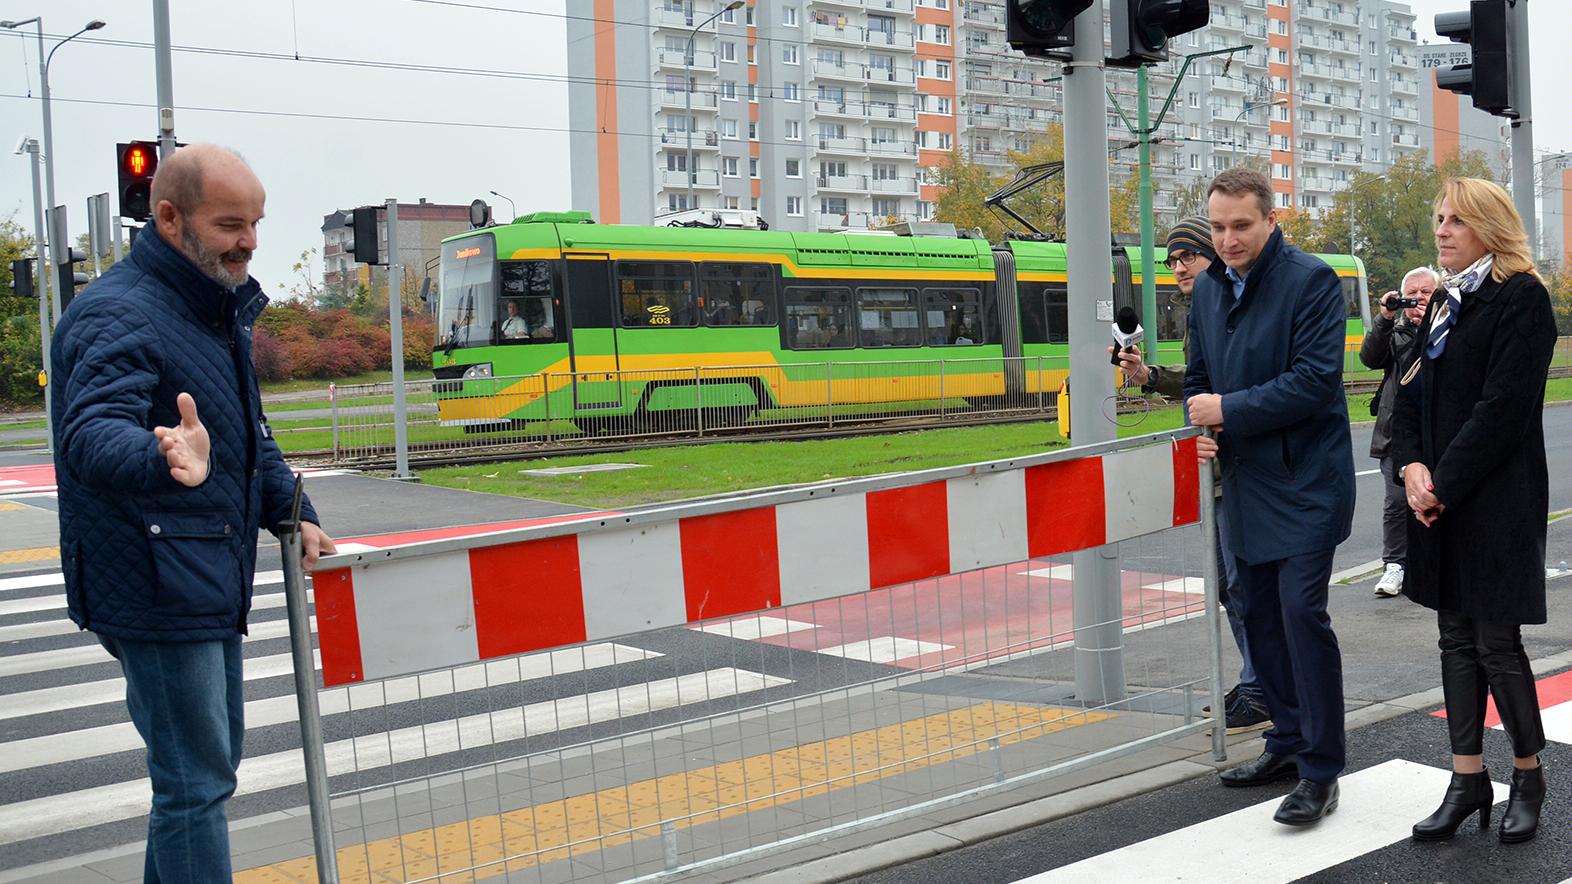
{"x":146,"y":558}
{"x":1276,"y":356}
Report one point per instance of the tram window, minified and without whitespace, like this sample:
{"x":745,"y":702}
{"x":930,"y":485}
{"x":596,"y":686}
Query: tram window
{"x":954,"y":316}
{"x":737,"y":294}
{"x":1351,"y":295}
{"x":469,"y":291}
{"x":888,"y":317}
{"x":528,"y":306}
{"x":656,"y":294}
{"x":1045,"y":317}
{"x":818,"y":318}
{"x":1173,"y":314}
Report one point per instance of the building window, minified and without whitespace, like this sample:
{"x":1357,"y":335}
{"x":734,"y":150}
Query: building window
{"x":943,"y":105}
{"x":946,"y":141}
{"x":941,"y":70}
{"x":753,"y":130}
{"x":789,"y":53}
{"x":1281,"y":170}
{"x":789,"y":16}
{"x":728,"y":128}
{"x":1193,"y":99}
{"x":729,"y":16}
{"x":794,"y":206}
{"x":753,"y":92}
{"x":753,"y":167}
{"x":728,"y":51}
{"x":793,"y":130}
{"x":751,"y":59}
{"x":728,"y":90}
{"x":941,"y":34}
{"x":729,"y":202}
{"x":794,"y":168}
{"x":729,"y":167}
{"x":791,"y":91}
{"x":925,"y":210}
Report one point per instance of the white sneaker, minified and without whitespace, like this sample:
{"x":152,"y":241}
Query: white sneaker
{"x":1391,"y":582}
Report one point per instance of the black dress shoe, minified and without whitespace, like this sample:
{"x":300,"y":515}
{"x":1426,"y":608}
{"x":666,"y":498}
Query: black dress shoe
{"x":1466,"y":794}
{"x":1266,"y":769}
{"x":1521,"y":820}
{"x":1307,"y":804}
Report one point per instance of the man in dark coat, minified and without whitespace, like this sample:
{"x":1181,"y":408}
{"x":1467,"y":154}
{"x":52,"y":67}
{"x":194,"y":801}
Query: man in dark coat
{"x":1389,"y":346}
{"x":167,"y":469}
{"x":1266,"y":373}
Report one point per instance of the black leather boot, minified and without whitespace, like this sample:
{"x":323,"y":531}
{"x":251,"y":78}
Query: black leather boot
{"x":1521,"y":820}
{"x":1466,"y":794}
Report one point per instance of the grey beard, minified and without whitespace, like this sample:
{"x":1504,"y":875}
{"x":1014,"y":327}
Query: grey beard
{"x":212,"y":263}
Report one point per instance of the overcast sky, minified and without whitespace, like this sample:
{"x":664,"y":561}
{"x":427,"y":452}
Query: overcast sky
{"x":446,"y":137}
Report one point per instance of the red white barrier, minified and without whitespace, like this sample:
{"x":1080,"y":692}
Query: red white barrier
{"x":450,"y":602}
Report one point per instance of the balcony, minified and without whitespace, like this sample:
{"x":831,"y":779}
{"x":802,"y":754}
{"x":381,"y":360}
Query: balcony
{"x":678,"y":100}
{"x":986,"y":86}
{"x":672,"y":59}
{"x":837,"y":4}
{"x":1409,"y":114}
{"x":1227,"y":84}
{"x":892,"y":76}
{"x":1223,"y":21}
{"x":1405,"y":140}
{"x":1400,"y":60}
{"x":828,"y":69}
{"x":1031,"y":91}
{"x":703,"y":139}
{"x":836,"y":221}
{"x":984,"y":15}
{"x":703,"y":179}
{"x":1404,"y":85}
{"x":832,"y":107}
{"x":1405,"y":35}
{"x":881,"y":39}
{"x":844,"y":35}
{"x":876,"y":111}
{"x":896,"y":186}
{"x":1348,"y":158}
{"x":846,"y":146}
{"x":897,"y":149}
{"x":842,"y":183}
{"x":682,"y":20}
{"x":899,"y":7}
{"x":1321,"y":13}
{"x":987,"y":120}
{"x":1316,"y":182}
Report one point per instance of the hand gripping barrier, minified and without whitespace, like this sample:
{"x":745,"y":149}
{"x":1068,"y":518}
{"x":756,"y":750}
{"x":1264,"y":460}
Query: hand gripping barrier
{"x":451,"y":603}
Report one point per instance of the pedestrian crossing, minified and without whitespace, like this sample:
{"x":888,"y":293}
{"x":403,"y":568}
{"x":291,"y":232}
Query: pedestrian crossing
{"x":71,"y":772}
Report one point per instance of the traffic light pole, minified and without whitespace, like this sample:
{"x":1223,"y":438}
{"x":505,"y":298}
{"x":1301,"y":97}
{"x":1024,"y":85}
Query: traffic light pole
{"x":396,"y":326}
{"x":1523,"y":126}
{"x":1148,"y":235}
{"x":41,"y":281}
{"x":163,"y":72}
{"x":1098,"y":610}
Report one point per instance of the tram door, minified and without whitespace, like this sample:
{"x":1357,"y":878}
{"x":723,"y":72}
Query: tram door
{"x":592,"y":348}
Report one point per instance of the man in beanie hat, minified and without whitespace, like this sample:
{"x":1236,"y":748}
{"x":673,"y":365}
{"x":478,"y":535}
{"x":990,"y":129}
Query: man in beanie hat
{"x":1189,"y":254}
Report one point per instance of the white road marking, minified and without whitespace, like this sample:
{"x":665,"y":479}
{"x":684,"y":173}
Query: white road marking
{"x":1191,"y":585}
{"x":1367,"y":472}
{"x":1557,"y":720}
{"x":1377,"y":808}
{"x":92,"y":742}
{"x":1053,"y":572}
{"x":883,"y":649}
{"x":57,"y":601}
{"x":31,"y":581}
{"x":87,"y":655}
{"x":755,"y":628}
{"x":80,"y":809}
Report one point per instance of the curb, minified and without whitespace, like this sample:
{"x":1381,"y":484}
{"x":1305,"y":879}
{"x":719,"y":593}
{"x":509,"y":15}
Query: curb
{"x":975,"y":830}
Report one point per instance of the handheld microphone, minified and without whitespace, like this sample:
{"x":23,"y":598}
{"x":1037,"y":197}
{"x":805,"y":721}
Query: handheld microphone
{"x":1126,"y":333}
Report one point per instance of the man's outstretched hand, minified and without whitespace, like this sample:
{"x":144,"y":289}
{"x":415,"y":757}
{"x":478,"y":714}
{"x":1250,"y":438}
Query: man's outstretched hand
{"x":315,"y":543}
{"x":185,"y":446}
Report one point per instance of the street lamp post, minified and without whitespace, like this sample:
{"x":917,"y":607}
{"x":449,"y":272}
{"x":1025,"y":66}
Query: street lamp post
{"x":49,"y":137}
{"x":1239,"y":117}
{"x":687,"y":86}
{"x":511,"y":207}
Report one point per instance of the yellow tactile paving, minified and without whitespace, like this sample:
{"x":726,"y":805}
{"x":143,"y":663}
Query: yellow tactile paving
{"x":31,"y":554}
{"x":8,"y":507}
{"x":586,"y":823}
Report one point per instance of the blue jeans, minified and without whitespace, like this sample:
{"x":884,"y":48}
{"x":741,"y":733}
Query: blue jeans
{"x":1233,"y":605}
{"x":187,"y":702}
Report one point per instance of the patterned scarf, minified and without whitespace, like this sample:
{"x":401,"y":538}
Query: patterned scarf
{"x":1456,"y":285}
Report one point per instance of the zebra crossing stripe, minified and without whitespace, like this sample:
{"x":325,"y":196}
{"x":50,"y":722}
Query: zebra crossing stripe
{"x":1377,"y":808}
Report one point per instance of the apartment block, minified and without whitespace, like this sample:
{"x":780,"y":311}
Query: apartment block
{"x":1555,"y":207}
{"x":1452,"y":122}
{"x":421,"y":228}
{"x":827,"y":114}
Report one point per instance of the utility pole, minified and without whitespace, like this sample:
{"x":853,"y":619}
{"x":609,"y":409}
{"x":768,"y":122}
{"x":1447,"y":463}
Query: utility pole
{"x":396,"y":325}
{"x":1099,"y":637}
{"x":1523,"y":126}
{"x":40,"y":278}
{"x":164,"y":72}
{"x":1143,"y":130}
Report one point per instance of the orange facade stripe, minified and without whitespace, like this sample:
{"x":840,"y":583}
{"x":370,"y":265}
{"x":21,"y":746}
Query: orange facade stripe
{"x":1445,"y":111}
{"x":1566,"y":217}
{"x":606,"y":111}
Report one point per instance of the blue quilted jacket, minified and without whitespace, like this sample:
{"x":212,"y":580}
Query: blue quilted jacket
{"x":146,"y":558}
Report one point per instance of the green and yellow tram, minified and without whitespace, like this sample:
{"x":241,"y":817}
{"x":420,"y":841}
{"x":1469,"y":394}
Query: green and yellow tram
{"x":553,"y":317}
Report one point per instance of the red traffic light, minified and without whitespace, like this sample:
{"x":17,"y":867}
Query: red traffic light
{"x":138,"y":160}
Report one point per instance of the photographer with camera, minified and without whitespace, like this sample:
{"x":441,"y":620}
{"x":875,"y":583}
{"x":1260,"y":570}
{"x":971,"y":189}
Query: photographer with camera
{"x":1389,"y":345}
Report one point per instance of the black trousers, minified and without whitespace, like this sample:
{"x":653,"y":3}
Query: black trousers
{"x":1479,"y":656}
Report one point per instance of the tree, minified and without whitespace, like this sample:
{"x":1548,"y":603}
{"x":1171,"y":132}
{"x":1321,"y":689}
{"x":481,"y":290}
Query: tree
{"x":304,"y":287}
{"x":1560,"y":285}
{"x":20,"y":347}
{"x":968,"y":183}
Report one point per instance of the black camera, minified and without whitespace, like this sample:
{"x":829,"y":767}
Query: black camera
{"x":1401,"y":303}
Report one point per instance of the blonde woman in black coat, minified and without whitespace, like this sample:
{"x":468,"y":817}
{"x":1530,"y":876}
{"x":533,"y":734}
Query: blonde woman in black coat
{"x":1470,"y":446}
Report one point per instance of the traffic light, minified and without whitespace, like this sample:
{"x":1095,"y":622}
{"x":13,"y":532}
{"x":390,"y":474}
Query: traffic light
{"x":1042,"y":27}
{"x":1487,"y":28}
{"x":22,"y":279}
{"x":1139,"y":30}
{"x":69,"y":277}
{"x":136,"y":162}
{"x":363,"y":245}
